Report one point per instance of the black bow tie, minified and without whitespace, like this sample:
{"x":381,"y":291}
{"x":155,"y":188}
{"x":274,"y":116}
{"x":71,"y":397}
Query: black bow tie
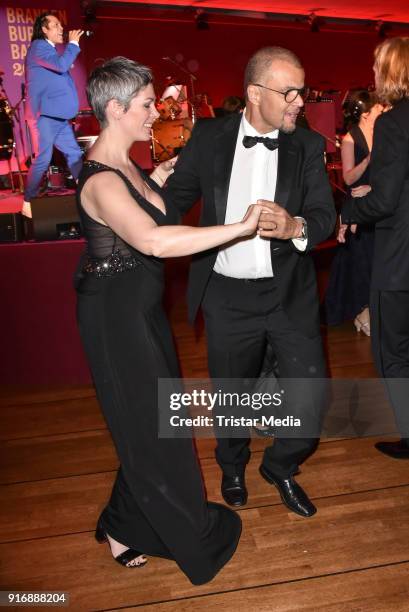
{"x":270,"y":143}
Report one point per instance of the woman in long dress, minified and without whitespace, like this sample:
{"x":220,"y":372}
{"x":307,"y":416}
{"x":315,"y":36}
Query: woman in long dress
{"x":158,"y":505}
{"x":349,"y":285}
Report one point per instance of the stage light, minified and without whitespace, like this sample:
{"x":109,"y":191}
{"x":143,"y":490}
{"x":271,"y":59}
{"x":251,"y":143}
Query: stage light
{"x":314,"y":22}
{"x":381,"y":28}
{"x":201,"y":20}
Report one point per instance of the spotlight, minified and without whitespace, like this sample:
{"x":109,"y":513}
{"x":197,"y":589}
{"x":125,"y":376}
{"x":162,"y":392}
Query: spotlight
{"x":201,"y":20}
{"x":381,"y":28}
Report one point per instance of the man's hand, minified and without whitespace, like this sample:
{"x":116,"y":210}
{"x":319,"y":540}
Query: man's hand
{"x":277,"y":223}
{"x":75,"y":35}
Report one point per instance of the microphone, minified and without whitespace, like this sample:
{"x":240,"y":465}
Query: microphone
{"x":88,"y":33}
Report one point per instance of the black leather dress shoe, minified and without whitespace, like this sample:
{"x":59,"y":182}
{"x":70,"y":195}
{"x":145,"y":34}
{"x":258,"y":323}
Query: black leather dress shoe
{"x":397,"y":450}
{"x":234,"y":490}
{"x":264,"y":432}
{"x":292,"y":495}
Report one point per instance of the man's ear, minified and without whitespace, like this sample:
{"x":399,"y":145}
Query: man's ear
{"x":253,"y":94}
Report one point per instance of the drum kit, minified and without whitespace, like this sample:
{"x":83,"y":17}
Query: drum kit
{"x":6,"y":131}
{"x":172,"y":129}
{"x":8,"y":115}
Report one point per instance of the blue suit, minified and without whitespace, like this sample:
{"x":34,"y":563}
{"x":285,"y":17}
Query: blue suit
{"x":51,"y":101}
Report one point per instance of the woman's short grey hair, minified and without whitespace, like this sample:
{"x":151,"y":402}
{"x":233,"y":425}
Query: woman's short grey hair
{"x":117,"y":79}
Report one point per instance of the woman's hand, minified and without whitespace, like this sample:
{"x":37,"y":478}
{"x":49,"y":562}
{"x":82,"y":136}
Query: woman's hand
{"x":168,"y":165}
{"x":162,"y":172}
{"x":359,"y":192}
{"x":250,"y":219}
{"x":342,"y":230}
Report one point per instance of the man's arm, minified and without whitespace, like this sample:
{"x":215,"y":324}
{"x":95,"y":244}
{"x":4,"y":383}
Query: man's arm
{"x":46,"y":56}
{"x":317,"y":210}
{"x":389,"y":161}
{"x":184,"y":184}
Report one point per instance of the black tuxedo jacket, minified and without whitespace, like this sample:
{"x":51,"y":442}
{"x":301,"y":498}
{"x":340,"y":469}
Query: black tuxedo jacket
{"x":387,"y":205}
{"x":203,"y":171}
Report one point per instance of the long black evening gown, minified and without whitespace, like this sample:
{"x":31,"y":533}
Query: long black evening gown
{"x":158,"y":503}
{"x":350,"y":278}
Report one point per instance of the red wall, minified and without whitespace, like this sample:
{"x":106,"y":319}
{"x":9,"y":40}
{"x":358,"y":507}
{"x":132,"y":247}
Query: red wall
{"x":333,"y":59}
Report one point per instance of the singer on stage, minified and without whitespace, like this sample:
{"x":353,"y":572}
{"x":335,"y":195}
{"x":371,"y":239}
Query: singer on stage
{"x":51,"y":99}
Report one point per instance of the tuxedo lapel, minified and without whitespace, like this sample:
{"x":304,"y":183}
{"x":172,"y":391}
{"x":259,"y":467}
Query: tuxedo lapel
{"x":223,"y":163}
{"x":286,"y":169}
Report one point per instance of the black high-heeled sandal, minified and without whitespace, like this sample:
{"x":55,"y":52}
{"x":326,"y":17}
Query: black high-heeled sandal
{"x":124,"y":558}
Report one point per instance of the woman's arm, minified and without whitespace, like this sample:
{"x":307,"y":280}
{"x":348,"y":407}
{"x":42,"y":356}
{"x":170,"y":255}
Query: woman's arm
{"x":106,"y":199}
{"x":351,"y":172}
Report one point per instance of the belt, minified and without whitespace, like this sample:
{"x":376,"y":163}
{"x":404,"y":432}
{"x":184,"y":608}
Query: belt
{"x":256,"y":280}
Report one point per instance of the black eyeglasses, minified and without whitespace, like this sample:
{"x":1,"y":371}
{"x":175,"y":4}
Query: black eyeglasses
{"x":289,"y":95}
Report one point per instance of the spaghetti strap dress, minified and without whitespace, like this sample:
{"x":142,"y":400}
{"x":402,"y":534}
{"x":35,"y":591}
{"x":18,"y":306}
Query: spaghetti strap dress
{"x":158,"y":503}
{"x":350,"y":277}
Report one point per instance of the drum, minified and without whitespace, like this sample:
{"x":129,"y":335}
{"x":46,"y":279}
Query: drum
{"x":169,"y":108}
{"x":168,"y":137}
{"x":6,"y":131}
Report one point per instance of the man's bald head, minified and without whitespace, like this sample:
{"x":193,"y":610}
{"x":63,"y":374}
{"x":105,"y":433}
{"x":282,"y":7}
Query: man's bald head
{"x":261,"y":61}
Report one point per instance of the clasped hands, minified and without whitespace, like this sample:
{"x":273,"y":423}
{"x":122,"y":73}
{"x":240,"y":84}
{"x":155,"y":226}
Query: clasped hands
{"x":275,"y":222}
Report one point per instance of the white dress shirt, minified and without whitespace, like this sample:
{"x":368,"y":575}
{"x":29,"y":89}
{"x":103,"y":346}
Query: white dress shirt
{"x":253,"y":177}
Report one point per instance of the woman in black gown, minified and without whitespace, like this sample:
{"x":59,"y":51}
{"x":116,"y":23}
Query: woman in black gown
{"x":347,"y":295}
{"x":158,"y":503}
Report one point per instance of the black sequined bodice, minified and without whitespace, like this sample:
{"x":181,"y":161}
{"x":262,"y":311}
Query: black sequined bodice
{"x":107,"y":253}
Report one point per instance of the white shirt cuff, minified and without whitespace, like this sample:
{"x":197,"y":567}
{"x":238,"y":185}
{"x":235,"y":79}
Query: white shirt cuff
{"x":75,"y":42}
{"x":300,"y":243}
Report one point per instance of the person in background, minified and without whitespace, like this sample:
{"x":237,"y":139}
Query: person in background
{"x":347,"y":296}
{"x":387,"y":207}
{"x":52,"y":100}
{"x":231,"y":104}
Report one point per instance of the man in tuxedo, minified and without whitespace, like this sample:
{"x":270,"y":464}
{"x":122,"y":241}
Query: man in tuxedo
{"x":51,"y":100}
{"x":261,"y":290}
{"x":387,"y":207}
